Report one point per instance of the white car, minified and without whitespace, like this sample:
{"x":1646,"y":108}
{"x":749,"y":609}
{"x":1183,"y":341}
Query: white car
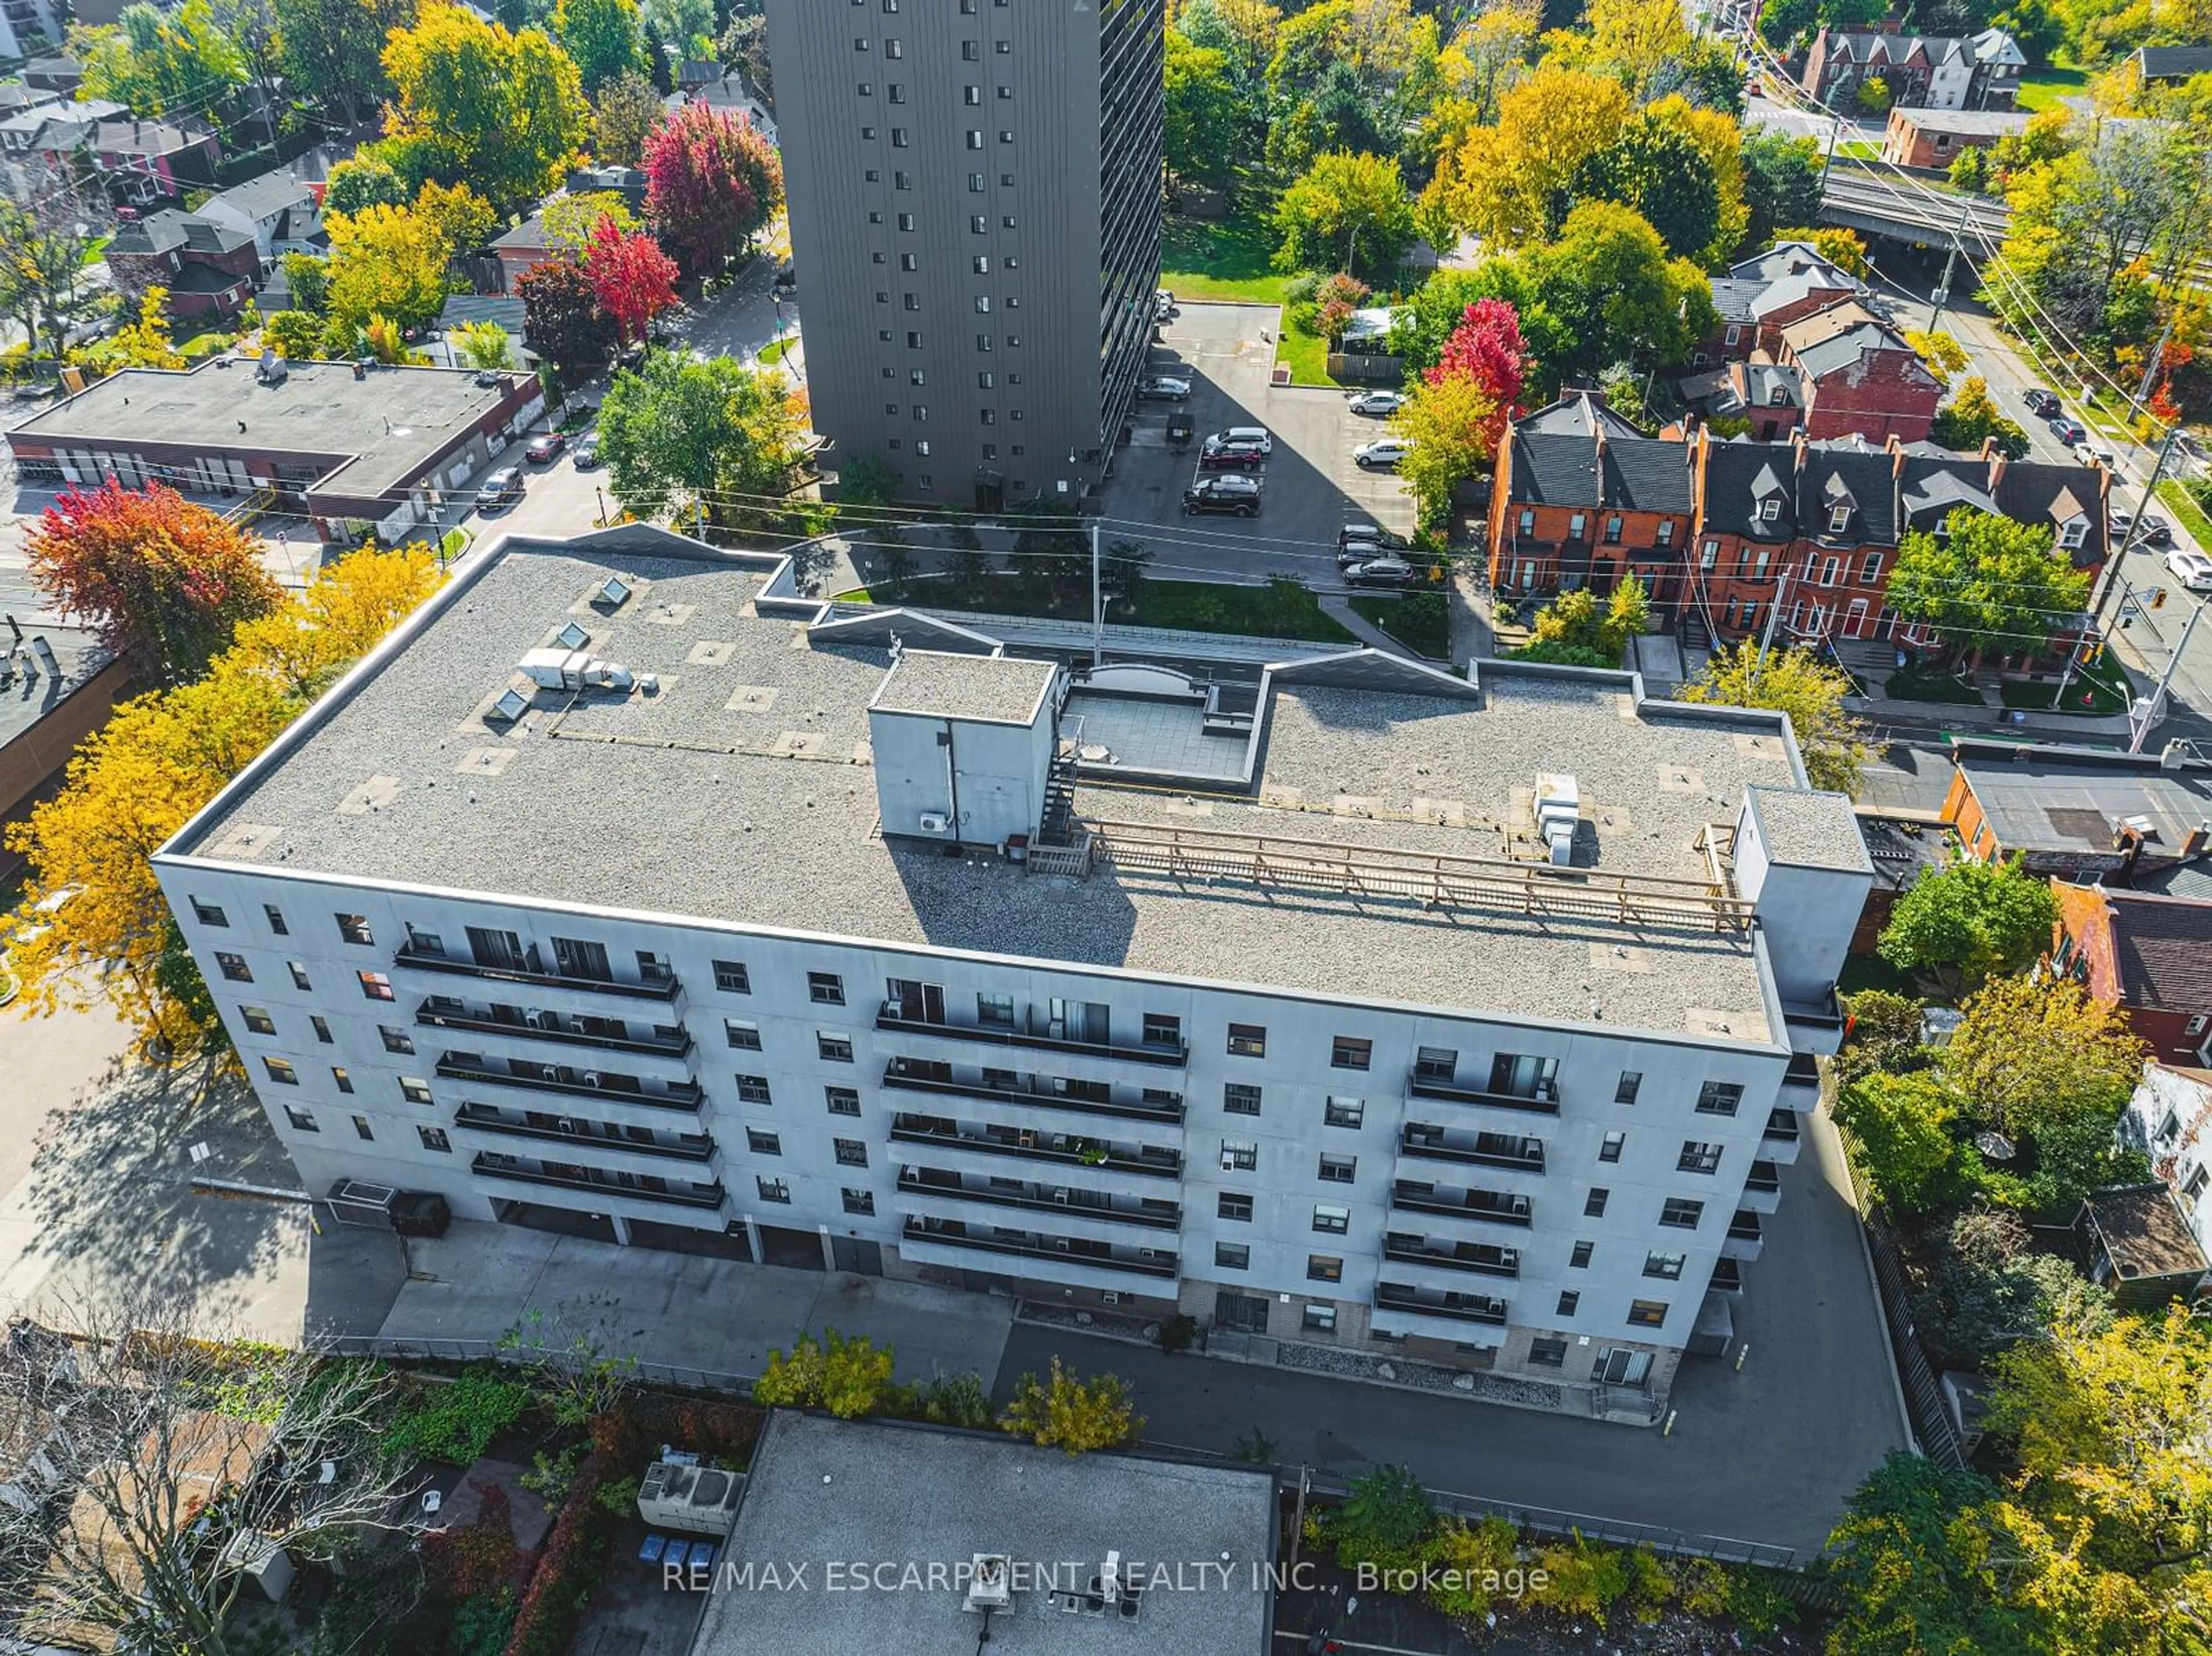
{"x":1255,"y":435}
{"x":1378,"y":402}
{"x":2193,"y":569}
{"x":2089,"y":454}
{"x":1384,"y":453}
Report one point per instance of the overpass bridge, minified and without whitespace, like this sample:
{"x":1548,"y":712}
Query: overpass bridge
{"x":1877,"y":206}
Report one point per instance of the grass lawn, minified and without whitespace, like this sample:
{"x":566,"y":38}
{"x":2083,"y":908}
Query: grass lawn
{"x":2176,"y":499}
{"x":1923,"y":684}
{"x":1220,"y":259}
{"x":774,"y":349}
{"x":1423,"y":628}
{"x":2093,"y":692}
{"x":1186,"y":605}
{"x":207,"y":344}
{"x":2044,"y":88}
{"x":1305,"y":354}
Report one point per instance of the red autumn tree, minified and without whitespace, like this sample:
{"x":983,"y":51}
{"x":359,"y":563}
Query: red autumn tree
{"x":562,"y":315}
{"x":711,"y":183}
{"x":632,"y":279}
{"x":160,"y":578}
{"x":1487,"y":347}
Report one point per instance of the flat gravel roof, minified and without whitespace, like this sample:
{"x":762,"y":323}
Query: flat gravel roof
{"x":740,"y":791}
{"x":1005,"y":689}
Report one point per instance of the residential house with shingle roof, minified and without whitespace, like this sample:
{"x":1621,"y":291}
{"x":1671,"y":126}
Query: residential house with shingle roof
{"x":283,"y":213}
{"x":2149,"y":956}
{"x":209,"y":268}
{"x":1759,"y":294}
{"x":1981,"y":71}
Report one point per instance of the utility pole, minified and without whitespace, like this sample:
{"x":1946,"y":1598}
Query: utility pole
{"x":1098,"y":613}
{"x":2139,"y":728}
{"x":1773,"y":615}
{"x":2157,"y":357}
{"x":2113,"y":555}
{"x":1936,"y":300}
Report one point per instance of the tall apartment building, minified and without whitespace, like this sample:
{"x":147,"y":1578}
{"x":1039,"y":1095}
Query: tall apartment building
{"x":1465,"y":1019}
{"x":974,"y":201}
{"x":29,"y":29}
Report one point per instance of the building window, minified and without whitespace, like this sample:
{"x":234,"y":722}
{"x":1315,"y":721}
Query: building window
{"x":233,"y":967}
{"x":753,"y":1089}
{"x":741,"y":1035}
{"x":1346,"y":1053}
{"x":361,"y":1128}
{"x":1577,"y":526}
{"x":209,"y":915}
{"x":1335,"y":1221}
{"x":375,"y":986}
{"x":274,"y":916}
{"x":1609,"y":1150}
{"x":762,"y":1143}
{"x":342,"y":1080}
{"x":1593,"y":1203}
{"x":1613,"y":532}
{"x":258,"y":1020}
{"x":1681,"y":1213}
{"x":1870,"y":571}
{"x":833,"y":1049}
{"x":772,"y":1190}
{"x":281,"y":1071}
{"x":1547,"y":1354}
{"x":1247,"y":1041}
{"x":1321,"y":1319}
{"x":1435,"y":1063}
{"x":1343,"y":1113}
{"x":353,"y":928}
{"x":1238,"y":1098}
{"x":301,"y":1120}
{"x":395,"y":1040}
{"x":995,"y":1011}
{"x":825,"y":988}
{"x":434,"y":1138}
{"x":1830,"y":569}
{"x":1239,"y":1155}
{"x":1569,"y":1301}
{"x":894,"y":49}
{"x":1233,"y":1206}
{"x":415,"y":1090}
{"x":1159,"y":1028}
{"x":1719,"y":1098}
{"x":1338,"y":1169}
{"x":1839,"y":520}
{"x":1699,"y":1156}
{"x":1668,"y":1267}
{"x":321,"y":1027}
{"x":1631,"y":1083}
{"x":861,"y":1202}
{"x":851,"y":1153}
{"x":1647,"y":1313}
{"x":730,"y":978}
{"x":1232,"y":1256}
{"x":1580,"y":1258}
{"x":1770,"y":509}
{"x":1324,"y":1268}
{"x":1664,"y":535}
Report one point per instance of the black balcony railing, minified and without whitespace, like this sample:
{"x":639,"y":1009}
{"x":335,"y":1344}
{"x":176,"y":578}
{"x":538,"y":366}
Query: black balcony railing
{"x":1393,"y":1296}
{"x":1488,"y":1264}
{"x":600,"y":1185}
{"x":545,"y":1028}
{"x":896,"y":1078}
{"x":1163,"y":1164}
{"x":1530,"y":1159}
{"x":1423,"y":1086}
{"x":1170,"y":1219}
{"x":1050,"y":1251}
{"x":675,"y":1094}
{"x":416,"y":961}
{"x":476,"y":1118}
{"x":1177,"y":1053}
{"x":1502,"y":1213}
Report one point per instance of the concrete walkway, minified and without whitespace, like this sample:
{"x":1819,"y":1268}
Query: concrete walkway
{"x":1468,"y":603}
{"x":1337,"y":607}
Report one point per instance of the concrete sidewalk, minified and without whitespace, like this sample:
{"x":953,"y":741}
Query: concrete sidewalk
{"x":1338,"y":607}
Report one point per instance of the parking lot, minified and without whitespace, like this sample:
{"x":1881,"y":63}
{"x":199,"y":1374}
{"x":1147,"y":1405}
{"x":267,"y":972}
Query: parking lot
{"x":1311,"y":487}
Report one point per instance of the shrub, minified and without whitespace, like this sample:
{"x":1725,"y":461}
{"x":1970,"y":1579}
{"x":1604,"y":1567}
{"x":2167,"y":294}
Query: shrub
{"x":1065,"y":1412}
{"x":1471,"y":1554}
{"x":851,"y":1378}
{"x":1386,"y":1521}
{"x":1649,"y":1585}
{"x":955,"y":1400}
{"x":458,"y":1422}
{"x":484,"y":1624}
{"x":1582,"y":1580}
{"x":573,"y":1558}
{"x":1176,"y":1334}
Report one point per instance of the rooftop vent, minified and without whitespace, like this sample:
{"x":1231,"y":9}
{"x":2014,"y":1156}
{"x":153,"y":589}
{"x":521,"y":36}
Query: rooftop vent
{"x":1558,"y":809}
{"x":572,"y":637}
{"x":990,"y":1582}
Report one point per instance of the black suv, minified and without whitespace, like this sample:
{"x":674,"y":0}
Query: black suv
{"x":1236,"y":495}
{"x":2040,"y":403}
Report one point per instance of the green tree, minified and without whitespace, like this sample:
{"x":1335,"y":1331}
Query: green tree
{"x":1347,"y":213}
{"x":850,"y":1377}
{"x":1902,"y":1125}
{"x":1611,"y":290}
{"x":1914,"y":1557}
{"x":1781,"y":183}
{"x":1654,"y":168}
{"x":158,"y":63}
{"x":1990,"y":584}
{"x":332,"y":50}
{"x":360,"y":183}
{"x":624,"y":116}
{"x":47,"y":232}
{"x":1940,"y":354}
{"x":600,"y":36}
{"x":1504,"y":182}
{"x":1973,"y":417}
{"x":1885,"y":1033}
{"x":1991,"y":1289}
{"x":1202,"y":117}
{"x":1121,"y":577}
{"x":2030,"y":1055}
{"x":1069,"y":1413}
{"x":1386,"y":1520}
{"x":484,"y":345}
{"x":1452,"y":423}
{"x":867,"y":480}
{"x":1830,"y":740}
{"x":681,"y":432}
{"x":1873,"y":95}
{"x":561,"y":313}
{"x":1970,"y":920}
{"x":504,"y":112}
{"x":389,"y":261}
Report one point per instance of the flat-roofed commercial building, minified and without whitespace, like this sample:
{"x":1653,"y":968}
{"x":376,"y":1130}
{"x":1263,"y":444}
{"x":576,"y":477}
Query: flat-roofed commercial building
{"x":1467,"y":1019}
{"x":974,"y":192}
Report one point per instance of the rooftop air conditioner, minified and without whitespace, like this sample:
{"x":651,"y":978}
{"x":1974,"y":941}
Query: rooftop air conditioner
{"x":932,"y":822}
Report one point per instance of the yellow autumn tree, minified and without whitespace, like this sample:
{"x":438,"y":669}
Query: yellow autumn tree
{"x":1500,"y":181}
{"x":1720,"y":141}
{"x":94,"y":924}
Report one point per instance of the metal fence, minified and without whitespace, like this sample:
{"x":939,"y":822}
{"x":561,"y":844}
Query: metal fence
{"x":436,"y":1351}
{"x":1923,"y":1397}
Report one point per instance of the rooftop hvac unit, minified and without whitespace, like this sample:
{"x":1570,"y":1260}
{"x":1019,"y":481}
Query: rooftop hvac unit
{"x":932,"y":822}
{"x":990,"y":1582}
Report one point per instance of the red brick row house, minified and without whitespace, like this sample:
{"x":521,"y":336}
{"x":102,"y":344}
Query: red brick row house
{"x":209,"y":268}
{"x":1979,"y":71}
{"x":1758,"y":294}
{"x":2149,"y":956}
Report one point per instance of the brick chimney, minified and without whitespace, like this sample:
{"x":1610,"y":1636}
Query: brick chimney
{"x":1997,"y":461}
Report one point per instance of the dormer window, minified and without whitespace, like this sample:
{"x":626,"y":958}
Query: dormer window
{"x":1839,"y":520}
{"x":1770,"y":509}
{"x":1776,"y":398}
{"x":2073,"y":531}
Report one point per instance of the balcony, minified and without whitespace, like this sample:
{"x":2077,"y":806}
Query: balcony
{"x":899,"y":1080}
{"x":1745,"y":1239}
{"x":475,"y":1117}
{"x":601,"y":1188}
{"x":1050,"y":1260}
{"x":1421,"y":1086}
{"x":545,"y":1028}
{"x":1400,"y":1310}
{"x":1762,"y":1190}
{"x":1528,"y":1158}
{"x":675,"y":1095}
{"x":1778,"y":1141}
{"x":1728,"y":1277}
{"x":1494,"y":1211}
{"x":1030,"y":1147}
{"x":1804,"y":1070}
{"x":955,"y":1194}
{"x":413,"y":960}
{"x":1482,"y":1259}
{"x":891,"y":1020}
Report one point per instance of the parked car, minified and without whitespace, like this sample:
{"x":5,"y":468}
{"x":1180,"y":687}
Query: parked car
{"x":1357,"y":542}
{"x":545,"y":448}
{"x":1217,"y":456}
{"x":1378,"y":402}
{"x":2193,"y":569}
{"x":587,"y":452}
{"x":2041,"y":403}
{"x":502,"y":488}
{"x":1164,"y":387}
{"x":2089,"y":454}
{"x":2154,"y":532}
{"x":1382,"y":572}
{"x":1255,"y":435}
{"x":2067,"y":429}
{"x":1383,"y":453}
{"x":1238,"y":496}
